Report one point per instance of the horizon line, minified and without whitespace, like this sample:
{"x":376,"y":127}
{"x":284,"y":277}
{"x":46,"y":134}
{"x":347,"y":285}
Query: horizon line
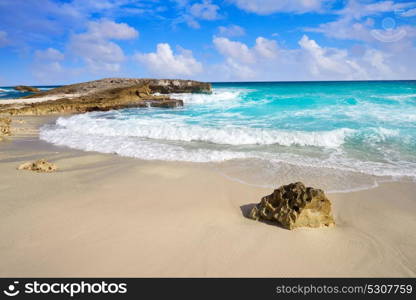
{"x":216,"y":82}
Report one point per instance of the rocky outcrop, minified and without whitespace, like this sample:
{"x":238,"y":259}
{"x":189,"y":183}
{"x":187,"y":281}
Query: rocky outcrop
{"x":40,"y":166}
{"x":25,"y":88}
{"x":295,"y":205}
{"x":108,"y":99}
{"x":164,"y":86}
{"x":5,"y":127}
{"x":167,"y":86}
{"x":105,"y":94}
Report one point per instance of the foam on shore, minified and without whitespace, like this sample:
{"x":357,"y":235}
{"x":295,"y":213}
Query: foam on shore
{"x":346,"y":130}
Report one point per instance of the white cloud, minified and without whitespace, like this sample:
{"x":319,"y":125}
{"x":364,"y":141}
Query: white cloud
{"x":240,"y":60}
{"x":357,"y":22}
{"x":235,"y":50}
{"x":190,"y":21}
{"x":266,"y":48}
{"x":409,"y":13}
{"x":96,"y":48}
{"x":164,"y":62}
{"x":34,"y":21}
{"x":357,"y":9}
{"x":47,"y":67}
{"x":311,"y":61}
{"x":346,"y":28}
{"x":192,"y":13}
{"x":231,"y":30}
{"x":239,"y":51}
{"x":233,"y":70}
{"x":266,"y":7}
{"x":49,"y":54}
{"x":327,"y":61}
{"x":49,"y":72}
{"x":3,"y":38}
{"x":378,"y":60}
{"x":95,"y":6}
{"x":106,"y":29}
{"x":205,"y":10}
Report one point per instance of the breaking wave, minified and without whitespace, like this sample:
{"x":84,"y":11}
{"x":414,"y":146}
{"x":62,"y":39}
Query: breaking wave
{"x":177,"y":130}
{"x":270,"y":123}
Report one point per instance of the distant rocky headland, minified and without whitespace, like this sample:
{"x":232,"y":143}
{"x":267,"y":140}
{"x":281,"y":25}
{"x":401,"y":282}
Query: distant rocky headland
{"x":25,"y":88}
{"x":102,"y":95}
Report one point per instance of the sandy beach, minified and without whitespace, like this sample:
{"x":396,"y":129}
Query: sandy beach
{"x":105,"y":215}
{"x":38,"y":99}
{"x":260,"y":139}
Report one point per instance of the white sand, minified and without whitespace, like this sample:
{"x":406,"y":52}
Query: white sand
{"x":104,"y":215}
{"x":38,"y":99}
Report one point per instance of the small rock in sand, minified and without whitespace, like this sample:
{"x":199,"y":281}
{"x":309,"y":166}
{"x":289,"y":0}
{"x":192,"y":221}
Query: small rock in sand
{"x":295,"y":205}
{"x":38,"y":166}
{"x":5,"y":126}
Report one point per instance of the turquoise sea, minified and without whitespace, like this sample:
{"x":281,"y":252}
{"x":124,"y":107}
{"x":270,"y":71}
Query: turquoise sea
{"x":8,"y":92}
{"x":337,"y":135}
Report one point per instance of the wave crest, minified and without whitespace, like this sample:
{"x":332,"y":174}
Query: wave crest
{"x":159,"y":129}
{"x":218,"y":95}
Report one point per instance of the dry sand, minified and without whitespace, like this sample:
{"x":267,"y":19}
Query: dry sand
{"x":38,"y":99}
{"x":104,"y":215}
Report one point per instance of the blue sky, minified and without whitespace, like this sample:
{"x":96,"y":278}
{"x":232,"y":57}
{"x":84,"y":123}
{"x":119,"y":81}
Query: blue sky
{"x":58,"y":42}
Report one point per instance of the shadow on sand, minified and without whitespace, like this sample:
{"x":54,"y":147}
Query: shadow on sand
{"x":245,"y":210}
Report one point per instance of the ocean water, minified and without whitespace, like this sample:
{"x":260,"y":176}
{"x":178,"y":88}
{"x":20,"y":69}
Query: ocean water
{"x":8,"y":92}
{"x":336,"y":135}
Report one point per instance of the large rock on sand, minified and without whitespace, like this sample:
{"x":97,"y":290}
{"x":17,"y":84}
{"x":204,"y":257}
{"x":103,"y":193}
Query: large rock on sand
{"x":25,"y":88}
{"x":38,"y":166}
{"x":295,"y":205}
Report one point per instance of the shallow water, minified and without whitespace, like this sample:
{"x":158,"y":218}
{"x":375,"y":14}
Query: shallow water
{"x":8,"y":92}
{"x":336,"y":135}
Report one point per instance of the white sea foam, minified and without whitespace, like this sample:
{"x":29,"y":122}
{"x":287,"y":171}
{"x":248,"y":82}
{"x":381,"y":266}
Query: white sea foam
{"x":401,"y":97}
{"x":178,"y":130}
{"x":7,"y":90}
{"x":226,"y":125}
{"x":132,"y":146}
{"x":217,"y":95}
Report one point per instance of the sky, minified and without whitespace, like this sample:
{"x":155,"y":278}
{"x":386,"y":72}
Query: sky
{"x":51,"y":42}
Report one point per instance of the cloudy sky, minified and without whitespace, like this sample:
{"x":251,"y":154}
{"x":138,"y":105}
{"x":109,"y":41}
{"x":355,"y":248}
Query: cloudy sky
{"x":64,"y":41}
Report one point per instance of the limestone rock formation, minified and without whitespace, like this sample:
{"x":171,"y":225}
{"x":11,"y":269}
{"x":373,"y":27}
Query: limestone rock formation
{"x":166,"y":86}
{"x":163,"y":86}
{"x":5,"y":127}
{"x":105,"y":94}
{"x":25,"y":88}
{"x":108,"y":99}
{"x":295,"y":205}
{"x":39,"y":166}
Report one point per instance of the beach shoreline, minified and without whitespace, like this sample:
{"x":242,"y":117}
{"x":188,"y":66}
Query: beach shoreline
{"x":102,"y":215}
